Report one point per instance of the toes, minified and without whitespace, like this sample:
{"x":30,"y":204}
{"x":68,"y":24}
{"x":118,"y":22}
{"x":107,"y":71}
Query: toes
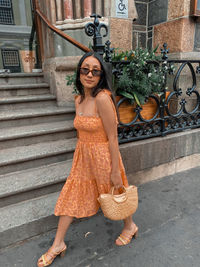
{"x":40,"y":262}
{"x":118,"y":243}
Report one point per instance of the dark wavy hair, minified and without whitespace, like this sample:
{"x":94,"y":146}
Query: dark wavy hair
{"x":104,"y":82}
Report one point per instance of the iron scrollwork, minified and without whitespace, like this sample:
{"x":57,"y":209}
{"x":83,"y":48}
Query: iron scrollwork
{"x":94,"y":29}
{"x":164,"y":120}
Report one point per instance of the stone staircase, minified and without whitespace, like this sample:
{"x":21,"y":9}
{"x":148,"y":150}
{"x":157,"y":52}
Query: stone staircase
{"x":37,"y":141}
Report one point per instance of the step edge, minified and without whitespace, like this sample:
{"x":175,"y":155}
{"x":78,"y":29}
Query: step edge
{"x":36,"y":133}
{"x":50,"y":198}
{"x":24,"y":86}
{"x":26,"y":99}
{"x":39,"y":114}
{"x":40,"y":156}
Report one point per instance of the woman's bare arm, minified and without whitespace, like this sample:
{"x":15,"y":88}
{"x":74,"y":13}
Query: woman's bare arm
{"x":107,"y":114}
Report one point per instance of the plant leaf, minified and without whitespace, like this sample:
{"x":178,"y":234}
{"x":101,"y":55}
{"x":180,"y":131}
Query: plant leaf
{"x":136,"y":99}
{"x":126,"y":94}
{"x":154,"y":51}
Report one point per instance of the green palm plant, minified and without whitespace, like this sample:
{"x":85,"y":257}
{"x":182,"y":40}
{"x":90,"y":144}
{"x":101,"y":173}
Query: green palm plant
{"x":139,"y":78}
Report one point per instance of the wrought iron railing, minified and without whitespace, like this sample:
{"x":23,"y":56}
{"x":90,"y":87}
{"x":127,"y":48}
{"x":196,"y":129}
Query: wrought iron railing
{"x":171,"y":113}
{"x":176,"y":109}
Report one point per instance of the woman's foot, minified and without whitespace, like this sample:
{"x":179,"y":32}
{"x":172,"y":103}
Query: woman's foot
{"x":127,"y":235}
{"x":47,"y":258}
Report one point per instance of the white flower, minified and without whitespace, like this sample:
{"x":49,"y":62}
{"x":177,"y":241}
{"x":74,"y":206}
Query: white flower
{"x":149,"y":75}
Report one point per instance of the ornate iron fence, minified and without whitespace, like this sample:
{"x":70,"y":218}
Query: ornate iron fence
{"x":175,"y":111}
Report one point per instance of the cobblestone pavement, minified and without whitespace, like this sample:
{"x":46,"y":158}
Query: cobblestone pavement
{"x":169,"y":232}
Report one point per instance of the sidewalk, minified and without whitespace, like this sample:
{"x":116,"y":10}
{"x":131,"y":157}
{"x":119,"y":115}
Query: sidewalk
{"x":169,"y":232}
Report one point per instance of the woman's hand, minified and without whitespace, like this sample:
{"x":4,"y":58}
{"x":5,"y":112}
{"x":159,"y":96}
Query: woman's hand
{"x":116,"y":179}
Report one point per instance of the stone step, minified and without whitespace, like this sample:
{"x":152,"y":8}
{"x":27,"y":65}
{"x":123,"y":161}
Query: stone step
{"x":21,"y":78}
{"x":22,"y":117}
{"x":32,"y":101}
{"x":24,"y":89}
{"x":33,"y":134}
{"x":31,"y":156}
{"x":27,"y":218}
{"x":23,"y":185}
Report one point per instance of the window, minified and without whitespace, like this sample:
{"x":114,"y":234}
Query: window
{"x":6,"y":12}
{"x":11,"y":60}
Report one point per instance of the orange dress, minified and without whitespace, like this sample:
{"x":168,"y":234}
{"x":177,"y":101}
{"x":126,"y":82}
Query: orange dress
{"x":90,"y":172}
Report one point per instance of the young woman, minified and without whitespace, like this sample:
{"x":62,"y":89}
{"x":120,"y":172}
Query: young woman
{"x":97,"y":163}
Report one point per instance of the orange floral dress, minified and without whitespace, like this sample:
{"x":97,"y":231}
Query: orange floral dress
{"x":91,"y":169}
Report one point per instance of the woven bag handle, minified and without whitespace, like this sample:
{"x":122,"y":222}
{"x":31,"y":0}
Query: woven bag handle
{"x":119,"y":198}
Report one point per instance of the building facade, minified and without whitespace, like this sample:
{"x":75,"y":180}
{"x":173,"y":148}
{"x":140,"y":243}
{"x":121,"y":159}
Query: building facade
{"x":15,"y":29}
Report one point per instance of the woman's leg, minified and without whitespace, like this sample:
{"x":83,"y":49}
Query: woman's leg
{"x":63,"y":225}
{"x":129,"y":224}
{"x":59,"y":243}
{"x":129,"y":230}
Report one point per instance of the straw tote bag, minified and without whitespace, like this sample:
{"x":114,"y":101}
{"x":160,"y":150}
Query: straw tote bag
{"x":119,"y":207}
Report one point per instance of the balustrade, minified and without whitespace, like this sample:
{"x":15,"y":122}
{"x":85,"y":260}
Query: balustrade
{"x":67,"y":11}
{"x":53,"y":11}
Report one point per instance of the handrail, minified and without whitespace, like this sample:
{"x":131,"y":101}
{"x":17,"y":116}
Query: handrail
{"x":38,"y":16}
{"x":61,"y":33}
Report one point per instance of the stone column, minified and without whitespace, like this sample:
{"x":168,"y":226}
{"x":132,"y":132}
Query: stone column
{"x":87,"y":8}
{"x":59,"y":11}
{"x":107,"y":4}
{"x":53,"y":11}
{"x":99,"y":7}
{"x":68,"y":9}
{"x":78,"y":9}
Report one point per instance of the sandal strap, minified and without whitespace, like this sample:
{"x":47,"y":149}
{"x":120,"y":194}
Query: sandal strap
{"x":126,"y":237}
{"x":52,"y":256}
{"x":122,"y":240}
{"x":44,"y":261}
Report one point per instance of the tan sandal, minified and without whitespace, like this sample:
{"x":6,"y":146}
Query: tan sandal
{"x":42,"y":260}
{"x":126,"y":237}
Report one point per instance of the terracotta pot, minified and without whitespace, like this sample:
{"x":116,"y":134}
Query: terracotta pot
{"x":127,"y":113}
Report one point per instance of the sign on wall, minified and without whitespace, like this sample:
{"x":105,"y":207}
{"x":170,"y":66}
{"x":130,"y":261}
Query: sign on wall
{"x":121,"y":8}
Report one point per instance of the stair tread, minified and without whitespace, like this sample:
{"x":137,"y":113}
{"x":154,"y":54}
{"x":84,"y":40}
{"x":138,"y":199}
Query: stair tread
{"x":24,"y":86}
{"x":21,"y":75}
{"x":32,"y":112}
{"x":27,"y":211}
{"x":33,"y":130}
{"x":28,"y":98}
{"x":36,"y":151}
{"x":33,"y":178}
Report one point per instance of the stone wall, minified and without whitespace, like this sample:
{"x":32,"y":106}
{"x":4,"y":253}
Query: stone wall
{"x":169,"y":21}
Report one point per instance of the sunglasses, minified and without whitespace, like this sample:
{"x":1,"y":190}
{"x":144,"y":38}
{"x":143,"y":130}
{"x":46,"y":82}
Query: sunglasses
{"x":95,"y":73}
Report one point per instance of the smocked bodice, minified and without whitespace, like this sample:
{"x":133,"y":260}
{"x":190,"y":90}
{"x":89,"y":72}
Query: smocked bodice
{"x":90,"y":129}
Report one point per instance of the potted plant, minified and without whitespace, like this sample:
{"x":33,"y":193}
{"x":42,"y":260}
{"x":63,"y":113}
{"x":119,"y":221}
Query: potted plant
{"x":139,"y":77}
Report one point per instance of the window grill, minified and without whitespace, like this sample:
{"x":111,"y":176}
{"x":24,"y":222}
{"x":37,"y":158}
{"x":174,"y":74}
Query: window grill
{"x":6,"y":12}
{"x":11,"y":60}
{"x":5,"y":3}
